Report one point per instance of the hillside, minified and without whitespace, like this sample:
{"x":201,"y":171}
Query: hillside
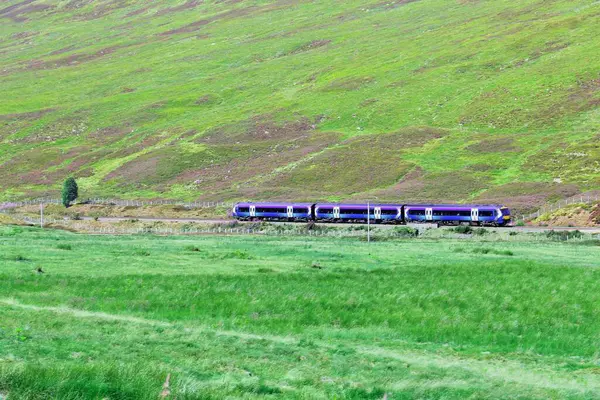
{"x":404,"y":100}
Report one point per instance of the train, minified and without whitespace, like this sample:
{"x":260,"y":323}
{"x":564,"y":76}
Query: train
{"x":401,"y":214}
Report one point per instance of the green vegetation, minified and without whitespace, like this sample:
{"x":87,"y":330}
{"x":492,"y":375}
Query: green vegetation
{"x":265,"y":317}
{"x":411,"y":100}
{"x":70,"y":192}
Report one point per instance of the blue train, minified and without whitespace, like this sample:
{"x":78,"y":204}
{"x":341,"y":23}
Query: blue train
{"x":441,"y":214}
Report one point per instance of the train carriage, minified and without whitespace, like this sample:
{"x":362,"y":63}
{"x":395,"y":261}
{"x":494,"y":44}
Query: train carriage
{"x":273,"y":211}
{"x":390,"y":213}
{"x":457,"y":214}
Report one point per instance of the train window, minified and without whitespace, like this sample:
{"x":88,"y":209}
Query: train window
{"x":326,"y":210}
{"x":486,"y":213}
{"x":271,"y":210}
{"x":359,"y":211}
{"x":300,"y":210}
{"x":464,"y":213}
{"x":416,"y":212}
{"x":244,"y":209}
{"x":389,"y":212}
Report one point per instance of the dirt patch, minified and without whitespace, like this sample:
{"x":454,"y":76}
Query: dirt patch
{"x":357,"y":165}
{"x":500,"y":145}
{"x":17,"y":12}
{"x":349,"y":84}
{"x":388,"y":5}
{"x":207,"y":98}
{"x":440,"y":187}
{"x":32,"y":167}
{"x":579,"y":162}
{"x":101,"y":10}
{"x":11,"y":124}
{"x":188,"y":5}
{"x":24,"y":35}
{"x":136,"y":144}
{"x":63,"y":50}
{"x":315,"y":44}
{"x":65,"y":127}
{"x":32,"y":115}
{"x":138,"y":11}
{"x":242,"y":165}
{"x":74,"y":59}
{"x":595,"y":215}
{"x":525,"y":197}
{"x":368,"y":102}
{"x":195,"y":26}
{"x":110,"y":134}
{"x":258,"y":129}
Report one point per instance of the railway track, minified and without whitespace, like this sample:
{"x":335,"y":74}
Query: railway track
{"x":586,"y":229}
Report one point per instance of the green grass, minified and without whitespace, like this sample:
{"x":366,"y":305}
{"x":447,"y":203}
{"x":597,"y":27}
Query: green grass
{"x":265,"y":317}
{"x":125,"y":92}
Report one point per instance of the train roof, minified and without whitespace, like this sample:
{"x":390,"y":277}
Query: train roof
{"x":282,"y":204}
{"x":454,"y":205}
{"x":348,"y":205}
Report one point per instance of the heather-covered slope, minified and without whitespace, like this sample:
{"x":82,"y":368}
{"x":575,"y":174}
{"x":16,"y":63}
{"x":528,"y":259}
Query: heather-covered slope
{"x":399,"y":100}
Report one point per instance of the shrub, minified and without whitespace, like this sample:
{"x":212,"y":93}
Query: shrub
{"x":462,"y":229}
{"x":192,"y":248}
{"x":480,"y":231}
{"x":64,"y":246}
{"x":487,"y":250}
{"x":564,"y":235}
{"x":406,"y":231}
{"x":239,"y":254}
{"x":141,"y":252}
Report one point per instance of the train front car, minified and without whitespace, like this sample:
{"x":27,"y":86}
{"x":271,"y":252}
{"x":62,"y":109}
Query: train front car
{"x":503,"y":216}
{"x":272,"y":211}
{"x":361,"y":213}
{"x":441,"y":214}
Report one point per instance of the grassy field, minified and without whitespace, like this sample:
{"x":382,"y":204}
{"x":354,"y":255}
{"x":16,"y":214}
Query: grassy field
{"x":402,"y":100}
{"x":259,"y":317}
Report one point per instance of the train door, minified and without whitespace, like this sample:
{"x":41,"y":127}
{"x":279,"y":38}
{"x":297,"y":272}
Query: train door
{"x":253,"y":211}
{"x":429,"y":214}
{"x":474,"y":214}
{"x":290,"y":211}
{"x":377,"y":212}
{"x":336,"y":212}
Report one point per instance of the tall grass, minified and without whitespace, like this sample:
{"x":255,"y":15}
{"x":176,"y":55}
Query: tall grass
{"x":276,"y":317}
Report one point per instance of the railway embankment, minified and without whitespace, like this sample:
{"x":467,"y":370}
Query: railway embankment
{"x":579,"y":214}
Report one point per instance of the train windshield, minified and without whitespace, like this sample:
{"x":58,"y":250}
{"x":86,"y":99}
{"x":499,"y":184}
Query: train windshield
{"x":505,"y":211}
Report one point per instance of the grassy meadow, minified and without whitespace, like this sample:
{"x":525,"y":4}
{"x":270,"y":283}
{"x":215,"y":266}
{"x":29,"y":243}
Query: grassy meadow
{"x":91,"y":316}
{"x":263,"y":99}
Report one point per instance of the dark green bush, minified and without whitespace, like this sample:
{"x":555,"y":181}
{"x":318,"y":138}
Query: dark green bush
{"x":564,"y":235}
{"x":462,"y":229}
{"x":406,"y":231}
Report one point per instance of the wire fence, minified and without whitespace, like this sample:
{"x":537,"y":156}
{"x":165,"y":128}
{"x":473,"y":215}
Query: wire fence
{"x":119,"y":202}
{"x":375,"y":235}
{"x":579,"y":199}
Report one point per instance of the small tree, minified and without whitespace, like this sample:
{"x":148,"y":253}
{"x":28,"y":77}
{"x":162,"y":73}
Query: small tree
{"x":69,"y":191}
